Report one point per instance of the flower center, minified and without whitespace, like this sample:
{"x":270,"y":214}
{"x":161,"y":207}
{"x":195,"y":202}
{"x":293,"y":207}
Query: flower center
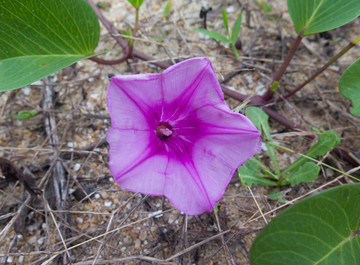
{"x":163,"y":131}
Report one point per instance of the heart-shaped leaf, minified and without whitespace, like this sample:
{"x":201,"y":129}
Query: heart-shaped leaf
{"x":349,"y":86}
{"x":313,"y":16}
{"x":38,"y":38}
{"x":322,"y":229}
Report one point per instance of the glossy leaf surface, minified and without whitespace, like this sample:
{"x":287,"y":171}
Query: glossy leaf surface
{"x":322,"y":229}
{"x":38,"y":38}
{"x":313,"y":16}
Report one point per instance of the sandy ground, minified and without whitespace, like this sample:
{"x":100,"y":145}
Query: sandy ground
{"x":115,"y":226}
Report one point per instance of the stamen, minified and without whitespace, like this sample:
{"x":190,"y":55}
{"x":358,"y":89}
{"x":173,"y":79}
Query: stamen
{"x":163,"y":131}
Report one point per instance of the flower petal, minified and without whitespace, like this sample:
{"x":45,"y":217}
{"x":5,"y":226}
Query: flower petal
{"x":134,"y":101}
{"x":205,"y":144}
{"x":217,"y":143}
{"x":204,"y":89}
{"x":137,"y":160}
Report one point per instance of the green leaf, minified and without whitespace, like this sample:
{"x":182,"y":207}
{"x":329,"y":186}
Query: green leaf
{"x":128,"y":33}
{"x":265,"y":7}
{"x":24,"y":114}
{"x":214,"y":35}
{"x":260,"y":120}
{"x":322,"y":229}
{"x":136,"y":3}
{"x":326,"y":141}
{"x":236,"y":29}
{"x":306,"y":173}
{"x":250,"y":174}
{"x":275,"y":195}
{"x":167,"y":8}
{"x":313,"y":16}
{"x":349,"y":86}
{"x":38,"y":38}
{"x":226,"y":24}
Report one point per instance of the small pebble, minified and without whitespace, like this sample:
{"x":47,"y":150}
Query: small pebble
{"x":264,"y":147}
{"x":40,"y":241}
{"x":79,"y":220}
{"x":94,"y":95}
{"x":230,"y":9}
{"x":97,"y":196}
{"x":260,"y":89}
{"x":107,"y":204}
{"x":137,"y":243}
{"x":155,"y":213}
{"x":26,"y":90}
{"x":77,"y":167}
{"x":249,"y":78}
{"x":329,"y":172}
{"x":142,"y":235}
{"x":71,"y":145}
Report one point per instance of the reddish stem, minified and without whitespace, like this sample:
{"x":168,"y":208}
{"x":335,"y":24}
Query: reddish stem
{"x":109,"y":62}
{"x":121,"y":41}
{"x":319,"y":71}
{"x":269,"y":93}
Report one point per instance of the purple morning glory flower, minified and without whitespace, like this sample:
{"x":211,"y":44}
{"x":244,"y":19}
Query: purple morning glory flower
{"x":173,"y":134}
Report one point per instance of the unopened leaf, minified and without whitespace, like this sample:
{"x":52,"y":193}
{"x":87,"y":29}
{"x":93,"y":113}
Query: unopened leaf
{"x":265,"y":7}
{"x":167,"y":8}
{"x":24,"y":114}
{"x":236,"y":29}
{"x":323,"y":229}
{"x":313,"y":16}
{"x":306,"y":173}
{"x":214,"y":35}
{"x":349,"y":86}
{"x":38,"y":38}
{"x":226,"y":23}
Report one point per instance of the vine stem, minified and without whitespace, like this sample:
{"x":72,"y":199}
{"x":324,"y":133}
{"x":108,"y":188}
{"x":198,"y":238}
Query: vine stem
{"x":109,"y":62}
{"x":269,"y":93}
{"x":121,"y":41}
{"x":322,"y":69}
{"x":131,"y":46}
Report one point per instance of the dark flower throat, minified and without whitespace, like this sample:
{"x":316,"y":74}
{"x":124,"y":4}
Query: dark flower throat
{"x":164,"y":131}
